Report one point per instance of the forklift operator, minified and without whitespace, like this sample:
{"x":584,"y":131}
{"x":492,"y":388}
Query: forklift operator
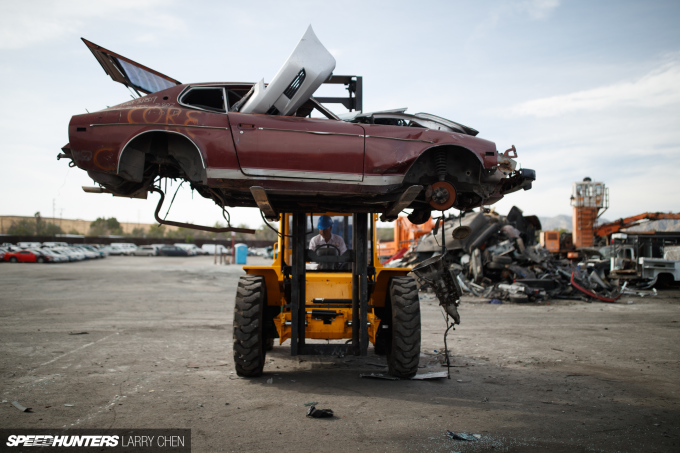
{"x":325,"y":236}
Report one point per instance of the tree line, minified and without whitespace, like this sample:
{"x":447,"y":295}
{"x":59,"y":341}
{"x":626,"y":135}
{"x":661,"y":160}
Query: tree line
{"x":112,"y":227}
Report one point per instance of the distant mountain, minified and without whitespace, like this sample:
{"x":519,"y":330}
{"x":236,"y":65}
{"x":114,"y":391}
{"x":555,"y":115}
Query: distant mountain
{"x":656,"y":225}
{"x":556,"y":223}
{"x":564,"y":222}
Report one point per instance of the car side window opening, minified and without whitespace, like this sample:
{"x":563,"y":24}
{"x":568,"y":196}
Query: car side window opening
{"x":208,"y":98}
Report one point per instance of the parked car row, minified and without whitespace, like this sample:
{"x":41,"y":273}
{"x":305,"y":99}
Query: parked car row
{"x":57,"y":252}
{"x":52,"y":252}
{"x":162,"y":250}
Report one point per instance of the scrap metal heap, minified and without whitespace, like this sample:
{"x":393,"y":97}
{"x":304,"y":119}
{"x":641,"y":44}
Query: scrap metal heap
{"x":497,"y":257}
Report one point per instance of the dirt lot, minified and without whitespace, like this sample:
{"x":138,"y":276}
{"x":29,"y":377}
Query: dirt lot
{"x":137,"y":342}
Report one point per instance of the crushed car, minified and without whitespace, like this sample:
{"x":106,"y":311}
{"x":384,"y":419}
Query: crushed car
{"x":276,"y":147}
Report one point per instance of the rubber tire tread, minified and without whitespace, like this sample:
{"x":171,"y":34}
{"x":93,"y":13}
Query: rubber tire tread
{"x":404,"y":352}
{"x":249,"y":342}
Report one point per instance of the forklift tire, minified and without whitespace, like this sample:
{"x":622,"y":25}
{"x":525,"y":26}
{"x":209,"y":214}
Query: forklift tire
{"x":249,"y":341}
{"x":403,"y":353}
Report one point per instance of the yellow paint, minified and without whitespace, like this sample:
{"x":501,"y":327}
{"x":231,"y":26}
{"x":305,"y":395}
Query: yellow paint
{"x":326,"y":285}
{"x":323,"y":285}
{"x":316,"y":329}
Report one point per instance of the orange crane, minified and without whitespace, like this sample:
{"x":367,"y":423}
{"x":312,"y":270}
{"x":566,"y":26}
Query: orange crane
{"x":589,"y":201}
{"x":607,"y":229}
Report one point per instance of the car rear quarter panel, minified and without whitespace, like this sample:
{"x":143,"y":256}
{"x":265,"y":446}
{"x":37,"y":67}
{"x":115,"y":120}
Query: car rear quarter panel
{"x":97,"y":139}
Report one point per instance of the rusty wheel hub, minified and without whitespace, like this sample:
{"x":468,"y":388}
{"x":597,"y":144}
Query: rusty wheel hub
{"x":442,"y":195}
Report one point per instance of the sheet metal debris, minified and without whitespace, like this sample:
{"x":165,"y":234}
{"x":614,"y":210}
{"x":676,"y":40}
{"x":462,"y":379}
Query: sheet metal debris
{"x":430,"y":375}
{"x":319,"y":413}
{"x":463,"y":436}
{"x":20,"y":407}
{"x":378,"y":376}
{"x":639,"y":293}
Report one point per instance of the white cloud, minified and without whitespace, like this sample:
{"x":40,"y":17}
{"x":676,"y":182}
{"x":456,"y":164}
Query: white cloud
{"x":539,"y":9}
{"x":29,"y":23}
{"x":658,"y":88}
{"x":536,"y":9}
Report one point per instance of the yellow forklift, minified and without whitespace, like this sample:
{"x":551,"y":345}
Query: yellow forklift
{"x":310,"y":295}
{"x":318,"y":298}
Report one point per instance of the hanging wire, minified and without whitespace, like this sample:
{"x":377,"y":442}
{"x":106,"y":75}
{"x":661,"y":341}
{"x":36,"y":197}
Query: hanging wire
{"x":173,"y":198}
{"x":434,"y":235}
{"x":446,"y":347}
{"x":278,"y":233}
{"x":281,"y":235}
{"x":225,"y":214}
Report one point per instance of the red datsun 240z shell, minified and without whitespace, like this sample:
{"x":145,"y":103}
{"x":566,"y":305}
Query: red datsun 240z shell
{"x":307,"y":160}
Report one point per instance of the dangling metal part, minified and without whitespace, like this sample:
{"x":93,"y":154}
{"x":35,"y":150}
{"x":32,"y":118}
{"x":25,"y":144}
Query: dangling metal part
{"x":435,"y":271}
{"x":461,"y":232}
{"x":191,"y":225}
{"x":403,"y":202}
{"x":262,"y":200}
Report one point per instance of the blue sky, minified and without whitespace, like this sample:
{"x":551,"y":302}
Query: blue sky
{"x":581,"y":88}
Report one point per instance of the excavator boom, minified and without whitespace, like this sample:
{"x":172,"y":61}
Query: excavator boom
{"x":628,"y":222}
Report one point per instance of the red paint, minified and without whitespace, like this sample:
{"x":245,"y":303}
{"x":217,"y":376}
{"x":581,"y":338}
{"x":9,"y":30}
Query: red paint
{"x":23,"y":256}
{"x":309,"y":156}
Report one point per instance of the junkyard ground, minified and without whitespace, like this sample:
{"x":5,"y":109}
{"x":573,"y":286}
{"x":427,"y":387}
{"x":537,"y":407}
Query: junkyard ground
{"x":145,"y":342}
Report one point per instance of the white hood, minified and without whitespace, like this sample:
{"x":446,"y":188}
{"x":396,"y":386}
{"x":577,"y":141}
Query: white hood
{"x":306,"y":69}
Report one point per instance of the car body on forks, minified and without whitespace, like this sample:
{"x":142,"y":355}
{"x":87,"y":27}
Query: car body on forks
{"x":283,"y":150}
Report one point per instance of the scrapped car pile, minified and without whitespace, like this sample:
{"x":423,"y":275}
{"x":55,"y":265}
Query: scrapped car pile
{"x":496,"y":257}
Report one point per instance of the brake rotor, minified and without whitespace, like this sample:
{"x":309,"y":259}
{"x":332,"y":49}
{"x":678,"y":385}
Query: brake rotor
{"x":443,"y":195}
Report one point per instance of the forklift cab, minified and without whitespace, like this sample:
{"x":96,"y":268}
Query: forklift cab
{"x":327,"y":257}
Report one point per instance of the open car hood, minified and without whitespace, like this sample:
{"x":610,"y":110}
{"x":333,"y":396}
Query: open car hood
{"x":310,"y":65}
{"x":130,"y":73}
